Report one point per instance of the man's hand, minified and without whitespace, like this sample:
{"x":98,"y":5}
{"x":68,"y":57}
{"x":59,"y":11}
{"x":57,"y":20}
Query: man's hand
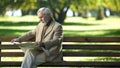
{"x":15,"y":40}
{"x":42,"y":45}
{"x":39,"y":45}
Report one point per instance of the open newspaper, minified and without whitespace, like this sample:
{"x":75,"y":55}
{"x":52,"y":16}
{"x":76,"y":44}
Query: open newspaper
{"x":29,"y":45}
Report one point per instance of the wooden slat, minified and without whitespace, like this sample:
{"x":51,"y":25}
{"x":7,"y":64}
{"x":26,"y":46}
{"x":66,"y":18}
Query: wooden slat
{"x":10,"y":64}
{"x":66,"y":64}
{"x":9,"y":47}
{"x":83,"y":64}
{"x":74,"y":46}
{"x":6,"y":39}
{"x":91,"y":54}
{"x":92,"y":47}
{"x":76,"y":39}
{"x":12,"y":54}
{"x":71,"y":54}
{"x":0,"y":50}
{"x":91,"y":39}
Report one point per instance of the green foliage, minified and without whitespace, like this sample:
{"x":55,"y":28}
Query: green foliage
{"x":59,"y":8}
{"x":28,"y":4}
{"x":76,"y":5}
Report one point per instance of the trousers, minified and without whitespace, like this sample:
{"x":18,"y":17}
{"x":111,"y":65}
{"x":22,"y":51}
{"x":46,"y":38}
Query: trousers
{"x":32,"y":57}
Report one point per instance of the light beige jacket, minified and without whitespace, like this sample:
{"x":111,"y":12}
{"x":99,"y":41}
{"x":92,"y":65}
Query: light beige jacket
{"x":52,"y":39}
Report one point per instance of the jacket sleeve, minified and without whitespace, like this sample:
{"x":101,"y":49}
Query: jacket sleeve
{"x":28,"y":35}
{"x":57,"y":38}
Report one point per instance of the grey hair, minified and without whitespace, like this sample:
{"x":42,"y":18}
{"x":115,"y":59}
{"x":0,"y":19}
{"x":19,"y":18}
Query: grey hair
{"x":45,"y":11}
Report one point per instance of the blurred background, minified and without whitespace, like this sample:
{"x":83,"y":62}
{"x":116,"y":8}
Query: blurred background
{"x":85,"y":17}
{"x":78,"y":17}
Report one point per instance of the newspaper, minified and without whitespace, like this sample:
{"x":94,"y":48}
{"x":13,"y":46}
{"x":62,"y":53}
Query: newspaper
{"x":28,"y":45}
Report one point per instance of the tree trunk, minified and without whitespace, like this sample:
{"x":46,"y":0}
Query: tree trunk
{"x":100,"y":14}
{"x":60,"y":17}
{"x":85,"y":13}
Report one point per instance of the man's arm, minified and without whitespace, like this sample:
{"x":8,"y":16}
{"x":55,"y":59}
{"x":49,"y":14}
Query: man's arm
{"x":24,"y":37}
{"x":27,"y":36}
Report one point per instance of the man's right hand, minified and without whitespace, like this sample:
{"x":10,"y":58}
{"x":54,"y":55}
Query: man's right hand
{"x":15,"y":40}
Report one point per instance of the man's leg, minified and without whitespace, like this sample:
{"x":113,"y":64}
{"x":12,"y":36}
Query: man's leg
{"x":32,"y":57}
{"x":29,"y":59}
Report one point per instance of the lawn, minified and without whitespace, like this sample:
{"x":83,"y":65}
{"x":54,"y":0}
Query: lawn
{"x":73,"y":26}
{"x":91,"y":27}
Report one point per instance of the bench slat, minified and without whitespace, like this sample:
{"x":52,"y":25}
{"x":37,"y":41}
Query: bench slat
{"x":91,"y":54}
{"x":91,"y":47}
{"x":91,"y":39}
{"x":67,"y":64}
{"x":77,"y":39}
{"x":74,"y":46}
{"x":12,"y":54}
{"x":9,"y":47}
{"x":66,"y":54}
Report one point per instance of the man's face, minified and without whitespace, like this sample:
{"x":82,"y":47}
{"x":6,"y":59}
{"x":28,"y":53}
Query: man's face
{"x":43,"y":18}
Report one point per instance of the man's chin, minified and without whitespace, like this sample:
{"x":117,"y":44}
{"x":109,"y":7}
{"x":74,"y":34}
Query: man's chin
{"x":44,"y":23}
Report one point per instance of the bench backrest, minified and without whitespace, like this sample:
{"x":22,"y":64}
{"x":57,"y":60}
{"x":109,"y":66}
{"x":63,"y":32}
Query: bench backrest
{"x":110,"y":45}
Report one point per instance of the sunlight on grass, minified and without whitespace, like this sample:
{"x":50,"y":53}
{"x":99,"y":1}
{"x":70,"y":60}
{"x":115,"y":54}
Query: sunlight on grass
{"x":27,"y":18}
{"x":84,"y":33}
{"x":73,"y":26}
{"x":19,"y":33}
{"x":18,"y":27}
{"x":91,"y":27}
{"x":108,"y":23}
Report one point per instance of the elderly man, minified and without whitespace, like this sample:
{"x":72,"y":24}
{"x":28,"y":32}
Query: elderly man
{"x":48,"y":40}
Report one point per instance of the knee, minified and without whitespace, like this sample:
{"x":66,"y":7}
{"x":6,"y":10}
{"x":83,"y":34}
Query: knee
{"x":29,"y":50}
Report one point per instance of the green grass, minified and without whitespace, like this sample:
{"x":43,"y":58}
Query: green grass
{"x":92,"y":27}
{"x":73,"y":26}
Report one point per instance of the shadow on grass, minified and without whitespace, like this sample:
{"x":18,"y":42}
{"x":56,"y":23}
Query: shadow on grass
{"x":109,"y":32}
{"x":115,"y":32}
{"x":9,"y":23}
{"x":67,"y":33}
{"x":11,"y":32}
{"x":79,"y":24}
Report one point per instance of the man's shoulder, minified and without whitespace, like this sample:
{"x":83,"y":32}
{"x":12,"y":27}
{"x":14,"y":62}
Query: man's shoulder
{"x":40,"y":24}
{"x":57,"y":23}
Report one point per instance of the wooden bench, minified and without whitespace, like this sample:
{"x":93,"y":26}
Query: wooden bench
{"x":110,"y":45}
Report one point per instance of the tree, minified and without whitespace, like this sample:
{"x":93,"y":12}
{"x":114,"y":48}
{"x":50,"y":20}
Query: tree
{"x":115,"y":6}
{"x":5,"y":5}
{"x":59,"y":9}
{"x":82,"y":7}
{"x":17,"y":4}
{"x":100,"y":13}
